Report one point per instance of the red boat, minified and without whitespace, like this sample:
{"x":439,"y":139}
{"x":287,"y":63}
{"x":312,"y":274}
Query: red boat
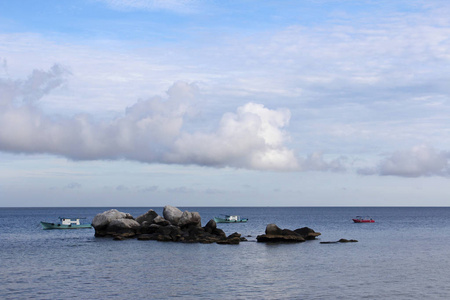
{"x":359,"y":219}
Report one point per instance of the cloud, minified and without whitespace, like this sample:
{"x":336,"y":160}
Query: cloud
{"x":152,"y":130}
{"x":416,"y":162}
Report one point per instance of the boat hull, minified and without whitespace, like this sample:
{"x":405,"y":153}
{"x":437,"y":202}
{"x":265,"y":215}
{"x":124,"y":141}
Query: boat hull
{"x":46,"y":225}
{"x":222,"y":220}
{"x":363,"y":221}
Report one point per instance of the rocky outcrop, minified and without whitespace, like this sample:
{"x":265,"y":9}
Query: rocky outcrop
{"x":176,"y":226}
{"x":274,"y":234}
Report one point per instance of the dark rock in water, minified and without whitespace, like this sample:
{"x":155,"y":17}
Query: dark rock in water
{"x":274,"y":234}
{"x":340,"y":241}
{"x":172,"y":214}
{"x":307,"y":233}
{"x":273,"y":229}
{"x":347,"y":241}
{"x":232,"y":239}
{"x":147,"y":217}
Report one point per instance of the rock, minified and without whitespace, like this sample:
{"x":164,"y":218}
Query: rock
{"x":177,"y":226}
{"x":276,"y":235}
{"x":190,"y":218}
{"x":210,"y":226}
{"x":147,"y":217}
{"x":161,"y":221}
{"x":103,"y":219}
{"x":149,"y":228}
{"x":307,"y":233}
{"x":340,"y":241}
{"x":232,"y":239}
{"x":172,"y":214}
{"x":146,"y":237}
{"x":123,"y":227}
{"x":273,"y":229}
{"x":347,"y":241}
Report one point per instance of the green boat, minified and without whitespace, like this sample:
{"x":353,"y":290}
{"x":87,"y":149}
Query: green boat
{"x":66,"y":223}
{"x":230,"y":219}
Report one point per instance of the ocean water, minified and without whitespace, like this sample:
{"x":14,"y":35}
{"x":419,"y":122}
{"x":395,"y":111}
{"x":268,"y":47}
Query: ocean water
{"x":405,"y":254}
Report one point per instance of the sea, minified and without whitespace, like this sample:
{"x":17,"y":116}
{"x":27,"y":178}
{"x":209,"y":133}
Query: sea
{"x":405,"y":254}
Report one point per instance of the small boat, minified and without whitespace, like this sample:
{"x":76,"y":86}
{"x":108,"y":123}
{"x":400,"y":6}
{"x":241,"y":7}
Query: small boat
{"x":66,"y":223}
{"x":230,"y":219}
{"x":359,"y":219}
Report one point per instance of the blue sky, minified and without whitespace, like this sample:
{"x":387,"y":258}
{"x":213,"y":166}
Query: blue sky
{"x":216,"y":103}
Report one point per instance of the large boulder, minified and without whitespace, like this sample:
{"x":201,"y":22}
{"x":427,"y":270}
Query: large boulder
{"x":103,"y":219}
{"x":190,"y":218}
{"x":274,"y":234}
{"x":123,"y":227}
{"x":147,"y":217}
{"x":172,"y":214}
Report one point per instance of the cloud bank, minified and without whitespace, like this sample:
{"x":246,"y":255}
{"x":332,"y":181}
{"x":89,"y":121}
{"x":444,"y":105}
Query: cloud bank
{"x":151,"y":130}
{"x":419,"y":161}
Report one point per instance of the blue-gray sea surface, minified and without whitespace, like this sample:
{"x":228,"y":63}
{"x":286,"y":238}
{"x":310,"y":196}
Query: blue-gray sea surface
{"x":405,"y":254}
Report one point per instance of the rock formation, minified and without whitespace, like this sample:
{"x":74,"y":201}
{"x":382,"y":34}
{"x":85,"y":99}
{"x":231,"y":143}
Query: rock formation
{"x":274,"y":234}
{"x":176,"y":226}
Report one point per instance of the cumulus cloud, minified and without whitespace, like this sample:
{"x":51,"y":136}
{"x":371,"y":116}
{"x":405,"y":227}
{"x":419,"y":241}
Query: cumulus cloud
{"x":150,"y":131}
{"x":419,"y":161}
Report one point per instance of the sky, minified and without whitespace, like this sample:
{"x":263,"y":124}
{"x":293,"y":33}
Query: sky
{"x":224,"y":103}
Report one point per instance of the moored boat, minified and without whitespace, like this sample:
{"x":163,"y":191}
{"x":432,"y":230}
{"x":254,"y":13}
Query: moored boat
{"x":359,"y":219}
{"x":66,"y":223}
{"x":230,"y":219}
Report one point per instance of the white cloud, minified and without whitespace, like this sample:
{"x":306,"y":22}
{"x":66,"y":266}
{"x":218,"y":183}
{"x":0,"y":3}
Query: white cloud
{"x":418,"y":161}
{"x":150,"y":130}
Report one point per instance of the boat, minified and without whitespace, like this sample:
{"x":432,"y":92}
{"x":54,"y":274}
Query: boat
{"x":359,"y":219}
{"x":230,"y":219}
{"x":66,"y":223}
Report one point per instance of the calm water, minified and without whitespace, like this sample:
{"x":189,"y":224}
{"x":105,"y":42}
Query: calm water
{"x":404,"y":255}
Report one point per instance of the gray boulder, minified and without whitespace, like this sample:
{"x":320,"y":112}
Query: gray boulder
{"x":147,"y":217}
{"x":190,"y":218}
{"x":161,"y":221}
{"x":103,"y":219}
{"x":123,"y":227}
{"x":172,"y":214}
